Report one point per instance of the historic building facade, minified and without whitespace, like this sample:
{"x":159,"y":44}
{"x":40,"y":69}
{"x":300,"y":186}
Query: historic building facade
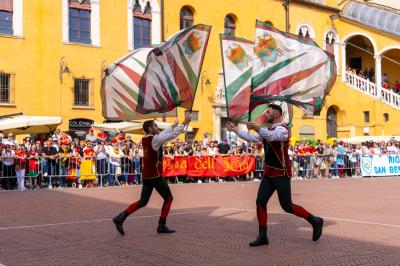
{"x":53,"y":54}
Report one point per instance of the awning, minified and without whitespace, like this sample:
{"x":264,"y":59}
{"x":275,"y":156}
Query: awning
{"x":130,"y":127}
{"x":377,"y":17}
{"x":115,"y":127}
{"x":30,"y":124}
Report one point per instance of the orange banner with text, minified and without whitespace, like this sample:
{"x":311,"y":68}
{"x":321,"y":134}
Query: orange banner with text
{"x":208,"y":166}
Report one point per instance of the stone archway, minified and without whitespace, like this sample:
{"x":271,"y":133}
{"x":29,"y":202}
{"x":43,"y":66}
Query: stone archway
{"x":358,"y":57}
{"x":390,"y":66}
{"x":332,"y":45}
{"x":331,"y":123}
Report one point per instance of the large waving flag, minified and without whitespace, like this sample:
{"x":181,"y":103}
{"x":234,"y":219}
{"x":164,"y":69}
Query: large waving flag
{"x":120,"y":88}
{"x":237,"y":61}
{"x":289,"y":68}
{"x":173,"y":71}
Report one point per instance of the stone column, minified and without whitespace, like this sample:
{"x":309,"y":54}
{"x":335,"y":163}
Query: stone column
{"x":130,"y":25}
{"x":155,"y":26}
{"x":18,"y":18}
{"x":65,"y":21}
{"x":95,"y":22}
{"x":378,"y":75}
{"x":343,"y":44}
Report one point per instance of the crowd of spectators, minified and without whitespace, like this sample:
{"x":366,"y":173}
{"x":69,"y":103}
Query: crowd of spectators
{"x":369,"y":74}
{"x":59,"y":160}
{"x":341,"y":159}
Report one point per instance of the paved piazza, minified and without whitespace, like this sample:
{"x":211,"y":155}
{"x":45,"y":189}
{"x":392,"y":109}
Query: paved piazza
{"x":214,"y":224}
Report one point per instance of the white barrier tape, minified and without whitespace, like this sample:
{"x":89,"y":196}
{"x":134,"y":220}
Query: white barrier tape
{"x":333,"y":218}
{"x":104,"y":220}
{"x":191,"y":212}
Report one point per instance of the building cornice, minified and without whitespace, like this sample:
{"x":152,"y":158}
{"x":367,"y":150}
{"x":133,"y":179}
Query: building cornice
{"x":330,"y":8}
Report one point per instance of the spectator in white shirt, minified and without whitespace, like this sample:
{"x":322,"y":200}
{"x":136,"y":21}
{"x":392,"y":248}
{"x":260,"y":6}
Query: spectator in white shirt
{"x":57,"y":134}
{"x":205,"y":140}
{"x":392,"y":149}
{"x":7,"y":157}
{"x":213,"y":149}
{"x":10,"y":140}
{"x":115,"y":155}
{"x":91,"y":137}
{"x":101,"y":159}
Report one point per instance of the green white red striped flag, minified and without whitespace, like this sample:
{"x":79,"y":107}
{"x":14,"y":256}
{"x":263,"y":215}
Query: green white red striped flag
{"x":120,"y":88}
{"x":172,"y":74}
{"x":237,"y":61}
{"x":289,"y":68}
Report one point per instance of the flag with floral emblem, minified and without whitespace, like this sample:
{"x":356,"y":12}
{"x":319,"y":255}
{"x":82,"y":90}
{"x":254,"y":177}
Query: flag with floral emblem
{"x":289,"y":68}
{"x":172,"y":74}
{"x":120,"y":87}
{"x":237,"y":61}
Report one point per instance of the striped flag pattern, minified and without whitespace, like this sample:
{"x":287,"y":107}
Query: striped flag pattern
{"x":172,"y":73}
{"x":120,"y":88}
{"x":289,"y":68}
{"x":237,"y":61}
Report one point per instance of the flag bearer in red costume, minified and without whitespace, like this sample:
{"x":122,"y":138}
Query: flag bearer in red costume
{"x":277,"y":173}
{"x":152,"y":172}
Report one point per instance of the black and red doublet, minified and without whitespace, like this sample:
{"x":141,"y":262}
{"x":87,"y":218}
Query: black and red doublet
{"x":152,"y":159}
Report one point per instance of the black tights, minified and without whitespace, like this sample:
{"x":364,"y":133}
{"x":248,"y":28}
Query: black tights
{"x":267,"y":187}
{"x":162,"y":188}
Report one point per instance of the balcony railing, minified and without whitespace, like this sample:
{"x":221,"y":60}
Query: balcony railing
{"x":367,"y":87}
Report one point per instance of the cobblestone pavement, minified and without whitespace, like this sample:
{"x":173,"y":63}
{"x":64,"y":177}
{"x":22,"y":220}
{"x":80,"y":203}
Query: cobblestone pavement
{"x":214,"y":224}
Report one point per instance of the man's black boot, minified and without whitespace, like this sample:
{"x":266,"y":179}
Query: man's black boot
{"x":119,"y":220}
{"x":317,"y":224}
{"x":261,"y":239}
{"x":162,"y":228}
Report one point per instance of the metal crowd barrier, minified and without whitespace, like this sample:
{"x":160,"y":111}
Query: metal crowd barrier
{"x":68,"y":171}
{"x":318,"y":166}
{"x":78,"y":172}
{"x":325,"y":166}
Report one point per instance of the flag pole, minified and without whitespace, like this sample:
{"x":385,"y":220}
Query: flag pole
{"x":286,"y":6}
{"x":164,"y":115}
{"x":187,"y":126}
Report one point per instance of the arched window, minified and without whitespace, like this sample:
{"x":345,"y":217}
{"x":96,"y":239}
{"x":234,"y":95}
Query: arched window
{"x":330,"y":40}
{"x":229,"y":26}
{"x":137,"y":8}
{"x":186,"y":18}
{"x":147,"y":9}
{"x":79,"y":21}
{"x":332,"y":46}
{"x":141,"y":25}
{"x":331,"y":122}
{"x":305,"y":31}
{"x":386,"y":117}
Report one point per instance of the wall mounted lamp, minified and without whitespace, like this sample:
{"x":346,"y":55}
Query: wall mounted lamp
{"x":63,"y":68}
